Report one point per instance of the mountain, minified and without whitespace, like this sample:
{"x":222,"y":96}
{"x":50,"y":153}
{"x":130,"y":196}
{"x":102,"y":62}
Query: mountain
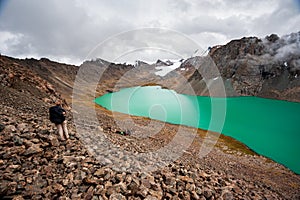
{"x":40,"y":81}
{"x":34,"y":164}
{"x":268,"y":67}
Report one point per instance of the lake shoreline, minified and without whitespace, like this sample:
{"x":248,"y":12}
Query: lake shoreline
{"x":229,"y":157}
{"x":256,"y":122}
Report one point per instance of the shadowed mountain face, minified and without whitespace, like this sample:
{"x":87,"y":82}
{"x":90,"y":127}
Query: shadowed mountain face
{"x":268,"y":67}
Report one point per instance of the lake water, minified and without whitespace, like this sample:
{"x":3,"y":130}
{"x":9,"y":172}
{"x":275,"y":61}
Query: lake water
{"x":269,"y":127}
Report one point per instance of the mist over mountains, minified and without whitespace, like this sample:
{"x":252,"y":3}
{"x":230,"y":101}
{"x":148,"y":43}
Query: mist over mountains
{"x":267,"y":67}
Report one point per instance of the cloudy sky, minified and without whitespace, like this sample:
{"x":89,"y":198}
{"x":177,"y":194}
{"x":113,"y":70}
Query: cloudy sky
{"x":122,"y":30}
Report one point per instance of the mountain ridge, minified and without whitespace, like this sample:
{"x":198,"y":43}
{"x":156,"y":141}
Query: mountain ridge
{"x":268,"y":67}
{"x":34,"y":164}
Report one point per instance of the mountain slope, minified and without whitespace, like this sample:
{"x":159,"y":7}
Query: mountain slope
{"x":35,"y":165}
{"x":268,"y":67}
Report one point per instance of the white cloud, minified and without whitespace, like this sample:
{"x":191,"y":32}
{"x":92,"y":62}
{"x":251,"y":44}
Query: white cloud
{"x":209,"y":39}
{"x":69,"y":30}
{"x":7,"y":40}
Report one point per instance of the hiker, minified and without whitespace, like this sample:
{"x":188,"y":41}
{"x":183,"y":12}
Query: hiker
{"x":58,"y":117}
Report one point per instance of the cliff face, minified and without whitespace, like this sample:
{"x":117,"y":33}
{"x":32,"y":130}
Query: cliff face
{"x":268,"y":67}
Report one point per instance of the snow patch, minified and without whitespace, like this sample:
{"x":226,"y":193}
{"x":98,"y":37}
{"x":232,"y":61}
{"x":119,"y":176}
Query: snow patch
{"x":164,"y":70}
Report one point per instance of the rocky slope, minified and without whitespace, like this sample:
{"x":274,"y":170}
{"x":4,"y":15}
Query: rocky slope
{"x":34,"y":164}
{"x":41,"y":79}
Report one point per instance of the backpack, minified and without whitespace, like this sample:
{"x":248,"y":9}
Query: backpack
{"x":56,"y":115}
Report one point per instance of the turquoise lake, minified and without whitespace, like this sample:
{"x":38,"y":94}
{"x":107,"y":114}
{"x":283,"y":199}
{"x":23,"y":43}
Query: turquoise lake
{"x":269,"y":127}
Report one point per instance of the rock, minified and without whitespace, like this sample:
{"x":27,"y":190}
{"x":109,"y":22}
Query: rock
{"x":69,"y":179}
{"x":155,"y":186}
{"x":95,"y":198}
{"x":128,"y":178}
{"x":186,"y":179}
{"x":171,"y":181}
{"x":8,"y":188}
{"x":20,"y":177}
{"x":272,"y":38}
{"x":190,"y":187}
{"x":142,"y":191}
{"x":157,"y":194}
{"x":11,"y":75}
{"x":64,"y":198}
{"x":45,"y":132}
{"x":194,"y":195}
{"x":207,"y":193}
{"x":13,"y":168}
{"x":53,"y":141}
{"x":11,"y":128}
{"x":58,"y":188}
{"x":47,"y":100}
{"x":35,"y":140}
{"x":76,"y":196}
{"x":2,"y":127}
{"x":149,"y":197}
{"x":17,"y":140}
{"x":29,"y":180}
{"x":28,"y":135}
{"x":117,"y":196}
{"x":99,"y":189}
{"x":18,"y":197}
{"x":34,"y":149}
{"x":133,"y":187}
{"x":146,"y":183}
{"x":100,"y":172}
{"x":168,"y":196}
{"x":184,"y":195}
{"x":27,"y":143}
{"x":236,"y":189}
{"x":22,"y":127}
{"x":89,"y":193}
{"x":68,"y":159}
{"x":227,"y":195}
{"x":90,"y":181}
{"x":106,"y":161}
